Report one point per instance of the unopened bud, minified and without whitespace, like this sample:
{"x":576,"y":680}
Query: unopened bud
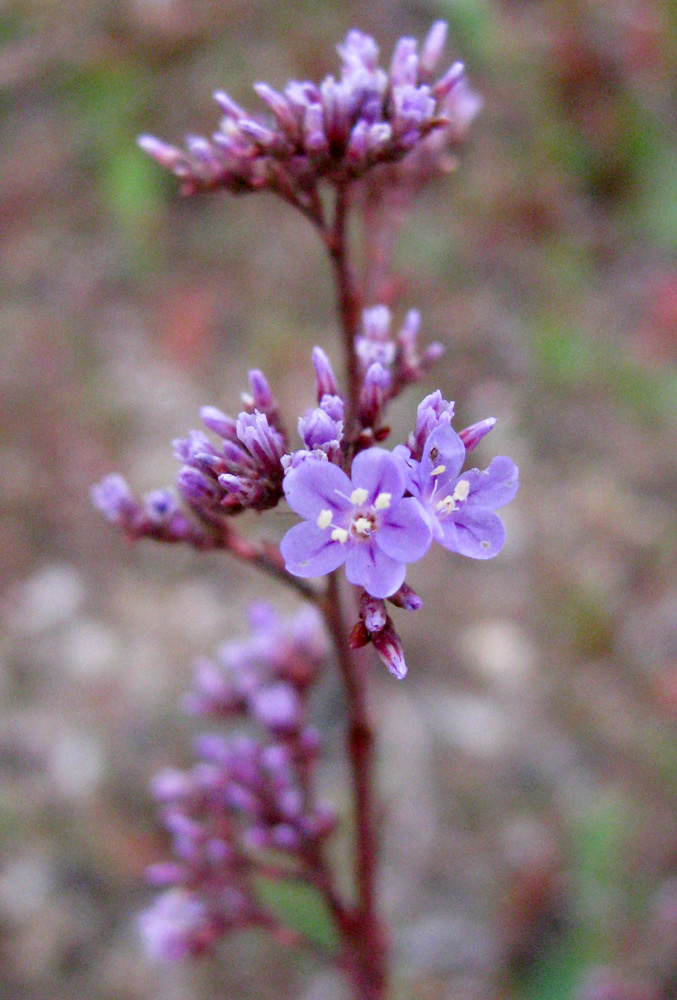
{"x":407,"y":598}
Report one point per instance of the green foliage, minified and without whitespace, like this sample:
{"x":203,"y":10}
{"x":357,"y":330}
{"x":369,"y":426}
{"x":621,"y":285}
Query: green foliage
{"x":300,"y":908}
{"x":598,"y":838}
{"x":567,"y":359}
{"x":110,"y":103}
{"x":473,"y":28}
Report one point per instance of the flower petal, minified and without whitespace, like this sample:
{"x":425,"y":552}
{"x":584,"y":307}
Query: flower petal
{"x":445,"y":451}
{"x":317,"y":485}
{"x":475,"y":532}
{"x":378,"y":471}
{"x":405,"y":534}
{"x":496,"y":486}
{"x":309,"y":551}
{"x":372,"y":569}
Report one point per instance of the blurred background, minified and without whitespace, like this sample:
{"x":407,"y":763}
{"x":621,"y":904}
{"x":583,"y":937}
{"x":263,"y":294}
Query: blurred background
{"x":528,"y":763}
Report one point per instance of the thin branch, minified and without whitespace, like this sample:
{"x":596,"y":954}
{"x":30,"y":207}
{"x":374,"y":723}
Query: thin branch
{"x":348,"y":304}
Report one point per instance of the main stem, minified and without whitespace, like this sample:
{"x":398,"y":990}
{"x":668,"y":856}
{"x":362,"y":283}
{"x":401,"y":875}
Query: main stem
{"x":364,"y":952}
{"x":348,"y":305}
{"x":364,"y":946}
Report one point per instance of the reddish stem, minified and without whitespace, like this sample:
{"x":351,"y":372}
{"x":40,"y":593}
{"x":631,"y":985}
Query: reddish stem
{"x":348,"y":305}
{"x":364,"y":954}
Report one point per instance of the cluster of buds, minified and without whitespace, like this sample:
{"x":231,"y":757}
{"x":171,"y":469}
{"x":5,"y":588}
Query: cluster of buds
{"x":336,"y":130}
{"x":247,"y":809}
{"x":158,"y":515}
{"x":376,"y":627}
{"x":388,"y":365}
{"x":245,"y":470}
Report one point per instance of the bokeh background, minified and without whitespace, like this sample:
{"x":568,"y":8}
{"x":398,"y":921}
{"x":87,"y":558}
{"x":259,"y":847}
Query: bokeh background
{"x":528,"y":763}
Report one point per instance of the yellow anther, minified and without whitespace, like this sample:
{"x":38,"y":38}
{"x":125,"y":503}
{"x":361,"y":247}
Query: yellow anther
{"x":358,"y":496}
{"x":324,"y":519}
{"x":382,"y":501}
{"x":462,"y":490}
{"x":339,"y":535}
{"x":438,"y":470}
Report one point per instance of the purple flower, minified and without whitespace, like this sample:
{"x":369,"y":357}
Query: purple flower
{"x":364,"y":522}
{"x":461,"y":508}
{"x":114,"y":499}
{"x":177,"y":926}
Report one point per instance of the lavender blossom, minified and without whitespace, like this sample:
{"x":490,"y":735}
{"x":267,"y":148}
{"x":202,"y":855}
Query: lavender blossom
{"x":289,"y":651}
{"x":472,"y":435}
{"x":461,"y":508}
{"x":178,"y":926}
{"x":363,"y":521}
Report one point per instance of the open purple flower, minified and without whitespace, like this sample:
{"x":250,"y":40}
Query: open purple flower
{"x":461,"y":508}
{"x":364,"y":522}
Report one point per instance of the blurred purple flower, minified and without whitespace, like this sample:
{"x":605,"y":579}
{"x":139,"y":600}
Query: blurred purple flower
{"x":178,"y":926}
{"x":336,"y":130}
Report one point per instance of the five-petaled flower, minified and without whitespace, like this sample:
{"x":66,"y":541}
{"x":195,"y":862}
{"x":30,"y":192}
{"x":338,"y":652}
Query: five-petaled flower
{"x":461,"y":508}
{"x":365,"y":521}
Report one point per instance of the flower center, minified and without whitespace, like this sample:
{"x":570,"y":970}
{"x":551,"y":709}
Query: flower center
{"x":364,"y":520}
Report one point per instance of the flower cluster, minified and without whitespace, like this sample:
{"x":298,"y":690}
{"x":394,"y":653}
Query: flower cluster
{"x":393,"y":504}
{"x":247,"y":809}
{"x":336,"y":130}
{"x":374,"y":513}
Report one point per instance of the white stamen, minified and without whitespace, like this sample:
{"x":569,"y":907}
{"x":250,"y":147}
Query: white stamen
{"x":462,"y":490}
{"x":445,"y":505}
{"x":358,"y":496}
{"x":382,"y":501}
{"x":362,"y":525}
{"x":339,"y":535}
{"x":324,"y":519}
{"x":438,"y":470}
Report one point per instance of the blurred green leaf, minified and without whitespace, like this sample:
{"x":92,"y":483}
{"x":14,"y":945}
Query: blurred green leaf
{"x":133,"y":187}
{"x":472,"y":28}
{"x":558,"y":973}
{"x":569,"y":359}
{"x":301,"y":908}
{"x":562,"y":353}
{"x":658,"y":205}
